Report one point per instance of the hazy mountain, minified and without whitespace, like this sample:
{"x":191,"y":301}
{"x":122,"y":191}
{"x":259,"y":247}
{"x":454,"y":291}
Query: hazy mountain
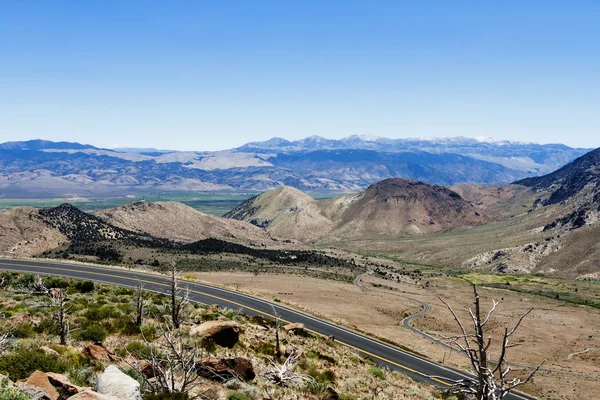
{"x":39,"y":144}
{"x":529,"y":157}
{"x":41,"y":168}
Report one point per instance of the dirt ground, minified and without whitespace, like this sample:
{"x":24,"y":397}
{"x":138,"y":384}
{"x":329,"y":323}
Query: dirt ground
{"x":567,"y":337}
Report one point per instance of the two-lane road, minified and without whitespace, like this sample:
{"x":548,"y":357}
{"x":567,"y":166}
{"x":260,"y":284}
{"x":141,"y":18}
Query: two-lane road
{"x":418,"y":368}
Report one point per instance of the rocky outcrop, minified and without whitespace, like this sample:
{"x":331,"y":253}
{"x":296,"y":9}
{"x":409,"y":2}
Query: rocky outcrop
{"x":37,"y":382}
{"x":294,"y":327}
{"x":223,"y":333}
{"x":225,"y":369}
{"x":63,"y":384}
{"x":113,"y":382}
{"x":33,"y":392}
{"x":98,"y":352}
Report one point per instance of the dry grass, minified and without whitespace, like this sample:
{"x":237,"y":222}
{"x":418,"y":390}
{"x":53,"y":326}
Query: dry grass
{"x":554,"y":331}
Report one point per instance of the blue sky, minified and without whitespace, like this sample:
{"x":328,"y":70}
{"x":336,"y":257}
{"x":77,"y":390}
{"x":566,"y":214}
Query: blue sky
{"x":211,"y":75}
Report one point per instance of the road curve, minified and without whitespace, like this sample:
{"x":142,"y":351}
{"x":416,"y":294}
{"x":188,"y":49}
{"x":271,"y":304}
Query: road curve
{"x":418,"y":368}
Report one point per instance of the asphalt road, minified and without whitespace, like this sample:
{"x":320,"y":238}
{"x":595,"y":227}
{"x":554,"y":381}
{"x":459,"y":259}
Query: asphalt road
{"x":418,"y":368}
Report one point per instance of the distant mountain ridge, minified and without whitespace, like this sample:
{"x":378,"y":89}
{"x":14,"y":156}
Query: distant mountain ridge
{"x":41,"y":168}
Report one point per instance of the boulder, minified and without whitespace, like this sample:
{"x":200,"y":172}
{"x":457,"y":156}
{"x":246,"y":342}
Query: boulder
{"x":39,"y":380}
{"x":33,"y":392}
{"x":113,"y":382}
{"x":224,"y":369}
{"x":223,"y":333}
{"x":297,"y":326}
{"x":91,"y":395}
{"x":64,"y":385}
{"x":99,"y":353}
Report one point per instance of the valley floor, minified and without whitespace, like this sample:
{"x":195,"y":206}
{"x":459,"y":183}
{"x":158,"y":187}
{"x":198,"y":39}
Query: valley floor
{"x":566,"y":336}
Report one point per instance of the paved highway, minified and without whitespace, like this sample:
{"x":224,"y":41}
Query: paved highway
{"x":418,"y":368}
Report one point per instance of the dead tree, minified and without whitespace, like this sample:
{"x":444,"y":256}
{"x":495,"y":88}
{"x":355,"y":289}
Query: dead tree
{"x":171,"y":363}
{"x":277,"y":330}
{"x":57,"y":300}
{"x":284,"y":375}
{"x":490,"y":381}
{"x":179,"y":298}
{"x":139,"y":304}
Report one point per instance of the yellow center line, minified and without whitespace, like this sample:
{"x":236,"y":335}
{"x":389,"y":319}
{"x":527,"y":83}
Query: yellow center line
{"x":237,"y":304}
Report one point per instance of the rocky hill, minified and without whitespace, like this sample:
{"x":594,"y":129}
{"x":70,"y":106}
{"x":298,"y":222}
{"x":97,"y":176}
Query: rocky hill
{"x":47,"y":169}
{"x":576,"y":186}
{"x":567,"y":211}
{"x":390,"y":207}
{"x":24,"y":234}
{"x":178,"y":222}
{"x":284,"y":212}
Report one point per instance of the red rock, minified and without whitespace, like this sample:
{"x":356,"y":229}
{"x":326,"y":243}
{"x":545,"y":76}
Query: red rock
{"x":223,"y":333}
{"x":60,"y":381}
{"x":40,"y":380}
{"x":99,"y":353}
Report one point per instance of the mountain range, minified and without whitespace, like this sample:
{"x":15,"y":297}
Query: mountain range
{"x":40,"y":168}
{"x":548,"y":224}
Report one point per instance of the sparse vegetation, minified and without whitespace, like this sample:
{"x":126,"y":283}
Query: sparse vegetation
{"x":324,"y":366}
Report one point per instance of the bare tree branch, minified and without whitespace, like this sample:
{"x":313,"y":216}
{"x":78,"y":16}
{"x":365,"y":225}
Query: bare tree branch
{"x":283,"y":375}
{"x":488,"y":383}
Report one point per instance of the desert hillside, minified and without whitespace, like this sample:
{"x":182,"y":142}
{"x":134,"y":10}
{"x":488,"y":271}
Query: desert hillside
{"x":566,"y":208}
{"x":284,"y":212}
{"x":391,"y":207}
{"x":23,"y":233}
{"x":402,"y":207}
{"x":181,"y":223}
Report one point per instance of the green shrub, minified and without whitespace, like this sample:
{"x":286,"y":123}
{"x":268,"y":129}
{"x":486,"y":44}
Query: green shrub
{"x":266,"y":348}
{"x":321,"y":356}
{"x":84,"y":286}
{"x":24,"y":280}
{"x":238,"y":396}
{"x":323,"y":377}
{"x":139,"y":350}
{"x":8,"y":393}
{"x":208,"y":345}
{"x":23,"y":362}
{"x":100,"y":313}
{"x":377,"y":373}
{"x":93,"y":333}
{"x":82,"y":376}
{"x":149,"y":332}
{"x":24,"y":330}
{"x":55,"y":282}
{"x":46,"y":325}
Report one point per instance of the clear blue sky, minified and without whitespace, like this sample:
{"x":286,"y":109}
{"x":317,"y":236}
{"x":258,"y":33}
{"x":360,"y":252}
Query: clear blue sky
{"x":215,"y":74}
